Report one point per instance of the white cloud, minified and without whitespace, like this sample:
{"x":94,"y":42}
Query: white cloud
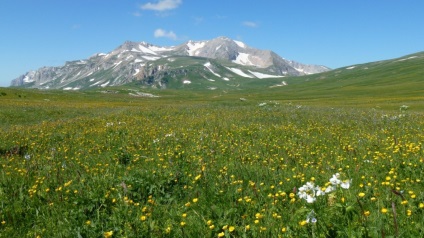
{"x":250,"y":24}
{"x":163,"y":33}
{"x":162,"y":5}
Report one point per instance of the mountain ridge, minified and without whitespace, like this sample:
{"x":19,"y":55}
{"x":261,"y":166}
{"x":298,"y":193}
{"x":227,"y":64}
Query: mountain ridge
{"x":153,"y":65}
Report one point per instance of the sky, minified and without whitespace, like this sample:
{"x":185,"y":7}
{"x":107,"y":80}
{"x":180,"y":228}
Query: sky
{"x":334,"y":33}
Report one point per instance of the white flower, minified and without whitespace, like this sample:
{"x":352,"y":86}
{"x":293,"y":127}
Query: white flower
{"x":309,"y":192}
{"x":346,"y":183}
{"x":335,"y":179}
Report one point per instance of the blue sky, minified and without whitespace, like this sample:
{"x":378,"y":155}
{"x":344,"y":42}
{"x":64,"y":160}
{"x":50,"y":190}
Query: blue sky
{"x":334,"y":33}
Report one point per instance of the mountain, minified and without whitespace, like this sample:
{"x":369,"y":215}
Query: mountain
{"x":216,"y":62}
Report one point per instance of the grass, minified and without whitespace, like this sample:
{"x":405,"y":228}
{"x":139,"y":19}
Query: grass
{"x":206,"y":164}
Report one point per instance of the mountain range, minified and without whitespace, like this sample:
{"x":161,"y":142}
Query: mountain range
{"x":215,"y":63}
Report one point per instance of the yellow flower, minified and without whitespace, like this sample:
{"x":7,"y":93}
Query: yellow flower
{"x":108,"y":234}
{"x":182,"y":223}
{"x":88,"y":222}
{"x":184,"y":215}
{"x":302,"y":223}
{"x":361,"y":195}
{"x":283,"y":229}
{"x":3,"y":222}
{"x":212,"y":226}
{"x":231,"y":229}
{"x":367,"y":213}
{"x":247,"y":227}
{"x":408,"y":212}
{"x":384,"y":210}
{"x":421,"y":205}
{"x":143,"y":218}
{"x":221,"y":234}
{"x":195,"y":200}
{"x":168,"y":230}
{"x":67,"y":183}
{"x":209,"y":222}
{"x":225,"y":227}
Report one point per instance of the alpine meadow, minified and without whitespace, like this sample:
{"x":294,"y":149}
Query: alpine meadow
{"x":196,"y":146}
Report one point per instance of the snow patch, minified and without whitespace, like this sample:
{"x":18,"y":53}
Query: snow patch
{"x":136,"y":72}
{"x":412,"y":57}
{"x":186,"y":82}
{"x":151,"y":57}
{"x":27,"y":79}
{"x":193,"y":47}
{"x":155,"y":48}
{"x":105,"y":84}
{"x":208,"y":66}
{"x":241,"y":44}
{"x":70,"y":88}
{"x":262,"y":76}
{"x":91,"y":80}
{"x":351,"y":67}
{"x":138,"y":60}
{"x":243,"y":59}
{"x":226,"y":79}
{"x":116,"y":64}
{"x":239,"y":72}
{"x":146,"y":50}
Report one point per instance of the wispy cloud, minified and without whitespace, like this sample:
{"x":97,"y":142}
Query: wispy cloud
{"x":163,"y":33}
{"x":136,"y":14}
{"x":162,"y":5}
{"x":250,"y":24}
{"x":198,"y":20}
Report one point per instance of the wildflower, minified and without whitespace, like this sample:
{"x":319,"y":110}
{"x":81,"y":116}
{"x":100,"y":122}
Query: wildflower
{"x":3,"y":222}
{"x":168,"y":230}
{"x":209,"y":222}
{"x":408,"y":212}
{"x":195,"y":200}
{"x":311,"y":217}
{"x":384,"y":210}
{"x":231,"y":228}
{"x":67,"y":183}
{"x":283,"y":229}
{"x":302,"y":223}
{"x":108,"y":234}
{"x":361,"y":195}
{"x":182,"y":223}
{"x":309,"y":192}
{"x":221,"y":234}
{"x":88,"y":222}
{"x":367,"y":213}
{"x":143,"y":218}
{"x":421,"y":205}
